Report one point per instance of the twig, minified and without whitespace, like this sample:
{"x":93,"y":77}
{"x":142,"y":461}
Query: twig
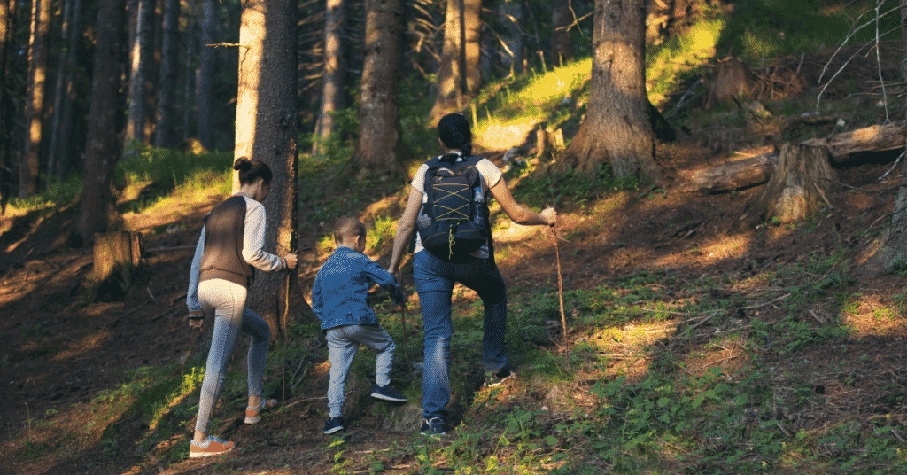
{"x":683,"y":99}
{"x":818,"y":319}
{"x":116,"y":320}
{"x":879,"y":61}
{"x":861,"y":190}
{"x":560,"y":287}
{"x":150,"y":294}
{"x":751,"y":307}
{"x":781,"y":426}
{"x":893,"y":166}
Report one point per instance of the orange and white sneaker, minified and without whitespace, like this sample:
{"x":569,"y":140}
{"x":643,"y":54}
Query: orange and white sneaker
{"x":210,"y":447}
{"x":253,"y":414}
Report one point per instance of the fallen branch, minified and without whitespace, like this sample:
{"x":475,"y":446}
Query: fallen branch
{"x":751,"y":307}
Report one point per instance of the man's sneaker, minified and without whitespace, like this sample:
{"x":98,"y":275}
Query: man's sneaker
{"x":253,"y":414}
{"x":433,"y":426}
{"x":496,"y":378}
{"x":334,"y":424}
{"x":210,"y":447}
{"x":387,"y":393}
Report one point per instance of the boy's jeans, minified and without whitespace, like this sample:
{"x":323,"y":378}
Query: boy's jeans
{"x":434,"y":282}
{"x":343,"y":342}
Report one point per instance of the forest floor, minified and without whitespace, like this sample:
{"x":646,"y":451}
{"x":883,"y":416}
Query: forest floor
{"x":693,"y":346}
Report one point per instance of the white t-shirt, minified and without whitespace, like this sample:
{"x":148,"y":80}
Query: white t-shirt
{"x":490,"y":174}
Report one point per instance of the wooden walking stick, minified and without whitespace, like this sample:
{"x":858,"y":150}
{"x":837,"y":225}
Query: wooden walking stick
{"x":403,"y":323}
{"x":560,"y":286}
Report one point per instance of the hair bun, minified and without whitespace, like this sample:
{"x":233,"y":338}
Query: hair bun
{"x":242,"y":164}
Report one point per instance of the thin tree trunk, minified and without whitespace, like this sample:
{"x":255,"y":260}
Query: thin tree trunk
{"x":204,"y":82}
{"x":135,"y":129}
{"x":472,"y":46}
{"x":102,"y":147}
{"x":6,"y":12}
{"x":616,"y":127}
{"x":378,"y":112}
{"x":561,"y":43}
{"x":450,"y":77}
{"x":167,"y":107}
{"x":63,"y":95}
{"x":188,"y":87}
{"x":37,"y":75}
{"x":266,"y":130}
{"x":333,"y":75}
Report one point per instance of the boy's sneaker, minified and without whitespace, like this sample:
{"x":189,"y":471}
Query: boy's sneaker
{"x":210,"y":447}
{"x":496,"y":378}
{"x":334,"y":424}
{"x":387,"y":393}
{"x":433,"y":426}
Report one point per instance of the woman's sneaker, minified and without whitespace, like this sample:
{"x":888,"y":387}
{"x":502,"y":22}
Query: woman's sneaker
{"x":433,"y":426}
{"x":387,"y":393}
{"x":496,"y":378}
{"x":334,"y":424}
{"x":253,"y":414}
{"x":210,"y":447}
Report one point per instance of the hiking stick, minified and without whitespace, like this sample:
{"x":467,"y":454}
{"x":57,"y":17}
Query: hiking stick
{"x":403,"y":323}
{"x":560,"y":285}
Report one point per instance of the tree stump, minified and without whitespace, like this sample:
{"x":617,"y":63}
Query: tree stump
{"x":117,"y":257}
{"x":798,"y":188}
{"x":733,"y":80}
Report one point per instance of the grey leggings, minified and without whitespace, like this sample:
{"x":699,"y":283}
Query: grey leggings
{"x":228,"y":303}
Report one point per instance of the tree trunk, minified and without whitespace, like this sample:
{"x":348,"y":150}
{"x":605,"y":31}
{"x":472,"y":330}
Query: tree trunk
{"x":37,"y":75}
{"x":103,"y":148}
{"x":333,"y":75}
{"x":204,"y":82}
{"x":266,"y":130}
{"x":165,"y":133}
{"x":472,"y":46}
{"x":798,"y":188}
{"x":450,"y":70}
{"x":616,"y":127}
{"x":512,"y":13}
{"x":117,"y":256}
{"x":7,"y":11}
{"x":141,"y":52}
{"x":59,"y":136}
{"x":561,"y":42}
{"x":378,"y":112}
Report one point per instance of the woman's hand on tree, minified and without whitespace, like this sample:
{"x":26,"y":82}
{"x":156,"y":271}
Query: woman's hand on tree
{"x":291,"y":260}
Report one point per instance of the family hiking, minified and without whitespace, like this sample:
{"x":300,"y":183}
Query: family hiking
{"x":447,"y":214}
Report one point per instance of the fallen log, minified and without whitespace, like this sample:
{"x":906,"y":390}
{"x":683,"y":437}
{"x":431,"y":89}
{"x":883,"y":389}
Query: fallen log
{"x":730,"y":176}
{"x":877,"y":138}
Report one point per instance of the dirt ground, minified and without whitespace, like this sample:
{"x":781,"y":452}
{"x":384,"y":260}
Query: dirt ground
{"x":58,"y":351}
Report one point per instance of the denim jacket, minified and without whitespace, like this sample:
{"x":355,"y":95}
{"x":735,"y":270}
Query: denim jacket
{"x":340,"y":293}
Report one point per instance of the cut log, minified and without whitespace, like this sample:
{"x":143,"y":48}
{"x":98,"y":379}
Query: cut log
{"x":730,"y":176}
{"x":877,"y":138}
{"x":117,"y":256}
{"x":798,"y":188}
{"x":733,"y":80}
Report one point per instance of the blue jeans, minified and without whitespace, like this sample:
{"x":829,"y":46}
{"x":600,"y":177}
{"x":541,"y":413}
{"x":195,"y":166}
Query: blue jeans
{"x":343,"y":342}
{"x":435,"y":280}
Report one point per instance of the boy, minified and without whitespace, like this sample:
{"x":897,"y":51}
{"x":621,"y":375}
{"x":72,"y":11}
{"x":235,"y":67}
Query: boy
{"x":339,"y":300}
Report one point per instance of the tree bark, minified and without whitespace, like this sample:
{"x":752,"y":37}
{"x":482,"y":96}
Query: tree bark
{"x":7,"y":10}
{"x":876,"y":138}
{"x":103,"y":147}
{"x":64,"y":94}
{"x":561,"y":42}
{"x":731,"y":176}
{"x":141,"y":52}
{"x":450,"y":69}
{"x":333,"y":75}
{"x":266,"y":130}
{"x":204,"y":83}
{"x":165,"y":131}
{"x":616,"y":127}
{"x":37,"y":75}
{"x":378,"y":112}
{"x":117,"y":256}
{"x":798,"y":188}
{"x":472,"y":46}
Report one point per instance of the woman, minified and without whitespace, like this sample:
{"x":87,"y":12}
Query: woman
{"x":229,"y":247}
{"x":435,"y":277}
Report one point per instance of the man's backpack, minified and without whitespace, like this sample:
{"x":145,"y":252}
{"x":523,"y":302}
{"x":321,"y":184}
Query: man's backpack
{"x":453,"y":221}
